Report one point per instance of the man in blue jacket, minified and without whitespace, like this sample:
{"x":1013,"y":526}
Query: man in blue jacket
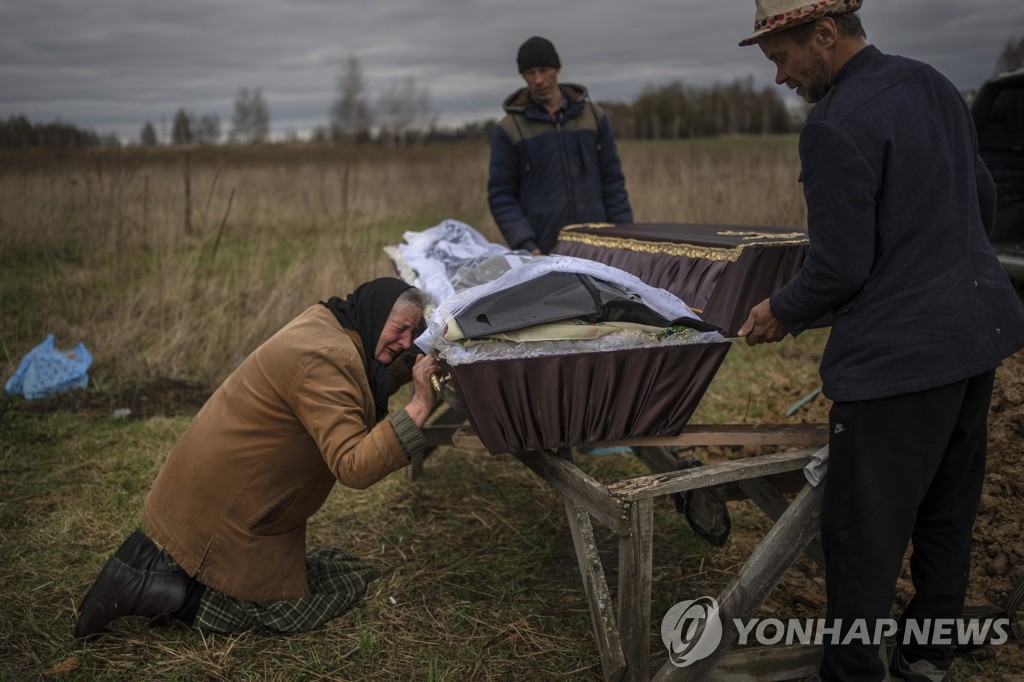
{"x":899,"y":205}
{"x":553,"y":159}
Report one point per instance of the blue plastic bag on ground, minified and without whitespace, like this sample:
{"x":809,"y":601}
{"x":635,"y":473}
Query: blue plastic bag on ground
{"x":45,"y":371}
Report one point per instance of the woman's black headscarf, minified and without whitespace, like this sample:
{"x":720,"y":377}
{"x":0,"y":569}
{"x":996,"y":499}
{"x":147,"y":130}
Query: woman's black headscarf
{"x":365,"y":311}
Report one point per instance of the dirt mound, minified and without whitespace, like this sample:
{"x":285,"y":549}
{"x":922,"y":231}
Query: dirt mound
{"x":997,"y":559}
{"x":158,"y":397}
{"x":997,"y":562}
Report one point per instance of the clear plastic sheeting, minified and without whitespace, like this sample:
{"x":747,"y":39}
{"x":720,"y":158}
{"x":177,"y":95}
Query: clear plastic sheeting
{"x":480,"y":350}
{"x":487,"y":269}
{"x":456,"y":266}
{"x":660,"y":301}
{"x":431,"y":260}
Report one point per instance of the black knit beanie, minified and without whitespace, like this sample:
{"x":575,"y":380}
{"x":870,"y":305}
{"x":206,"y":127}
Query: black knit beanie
{"x":536,"y":52}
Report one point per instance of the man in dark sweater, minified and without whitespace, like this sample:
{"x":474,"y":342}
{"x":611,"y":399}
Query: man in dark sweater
{"x":899,"y":205}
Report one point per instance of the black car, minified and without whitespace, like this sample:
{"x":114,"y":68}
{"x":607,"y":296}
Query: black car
{"x":998,"y":111}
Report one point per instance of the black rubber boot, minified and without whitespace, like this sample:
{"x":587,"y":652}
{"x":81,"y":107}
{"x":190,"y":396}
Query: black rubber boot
{"x":121,"y":590}
{"x":704,"y":508}
{"x":142,"y":554}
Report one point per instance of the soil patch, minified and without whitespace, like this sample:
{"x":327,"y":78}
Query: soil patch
{"x":997,"y":559}
{"x":169,"y":397}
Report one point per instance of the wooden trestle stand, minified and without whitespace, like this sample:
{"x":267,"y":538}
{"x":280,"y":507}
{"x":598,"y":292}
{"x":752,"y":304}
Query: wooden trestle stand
{"x":623,"y":629}
{"x":722,"y":271}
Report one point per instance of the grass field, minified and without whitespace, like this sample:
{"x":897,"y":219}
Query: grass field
{"x":173,"y":265}
{"x":176,"y":263}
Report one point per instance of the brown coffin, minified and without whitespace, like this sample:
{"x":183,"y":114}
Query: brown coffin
{"x":561,"y":400}
{"x":565,"y":400}
{"x":720,"y":270}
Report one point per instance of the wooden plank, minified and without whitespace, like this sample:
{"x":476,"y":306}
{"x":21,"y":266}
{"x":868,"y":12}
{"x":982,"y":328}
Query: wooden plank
{"x":766,"y":496}
{"x":415,"y":469}
{"x":438,"y":435}
{"x":787,"y":483}
{"x":758,"y":576}
{"x":562,"y":475}
{"x":768,"y":664}
{"x":602,"y":614}
{"x":736,"y":434}
{"x":438,"y":430}
{"x":445,"y":415}
{"x":780,"y":663}
{"x":661,"y":460}
{"x":635,"y":561}
{"x":658,"y":459}
{"x":643,"y":487}
{"x":774,"y":504}
{"x":781,"y":435}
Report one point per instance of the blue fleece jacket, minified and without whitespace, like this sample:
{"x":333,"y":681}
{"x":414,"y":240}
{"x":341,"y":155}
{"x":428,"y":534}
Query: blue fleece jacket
{"x":548,"y":171}
{"x":899,"y":205}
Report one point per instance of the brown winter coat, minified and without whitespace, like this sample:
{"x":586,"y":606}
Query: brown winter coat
{"x":231,"y":501}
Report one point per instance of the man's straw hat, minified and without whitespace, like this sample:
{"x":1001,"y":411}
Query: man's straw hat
{"x":776,"y":15}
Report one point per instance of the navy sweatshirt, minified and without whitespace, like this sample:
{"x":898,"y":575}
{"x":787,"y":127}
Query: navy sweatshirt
{"x":899,"y":209}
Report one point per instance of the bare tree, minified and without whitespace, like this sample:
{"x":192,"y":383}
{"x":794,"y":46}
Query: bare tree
{"x":406,"y":112}
{"x":181,"y":129}
{"x":147,"y":136}
{"x":1012,"y":56}
{"x":206,"y":130}
{"x":426,"y":114}
{"x":251,"y":122}
{"x":261,"y":118}
{"x":240,"y":122}
{"x":350,"y":113}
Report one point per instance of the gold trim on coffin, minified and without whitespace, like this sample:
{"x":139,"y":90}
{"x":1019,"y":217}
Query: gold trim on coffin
{"x":715,"y":253}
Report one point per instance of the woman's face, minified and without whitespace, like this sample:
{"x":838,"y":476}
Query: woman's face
{"x":397,"y":335}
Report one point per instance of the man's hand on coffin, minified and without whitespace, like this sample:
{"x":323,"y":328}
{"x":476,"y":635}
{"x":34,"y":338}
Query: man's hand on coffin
{"x":762,"y":326}
{"x":423,"y":396}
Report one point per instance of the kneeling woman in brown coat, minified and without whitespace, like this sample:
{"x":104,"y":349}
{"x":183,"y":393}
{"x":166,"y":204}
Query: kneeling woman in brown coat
{"x":225,"y":522}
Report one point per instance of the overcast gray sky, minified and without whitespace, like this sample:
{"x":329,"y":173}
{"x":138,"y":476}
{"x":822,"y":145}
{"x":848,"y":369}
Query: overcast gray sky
{"x":111,"y":65}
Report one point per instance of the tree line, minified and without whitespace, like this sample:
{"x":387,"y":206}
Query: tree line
{"x":18,"y":132}
{"x":679,"y":111}
{"x":405,"y":114}
{"x":250,"y":124}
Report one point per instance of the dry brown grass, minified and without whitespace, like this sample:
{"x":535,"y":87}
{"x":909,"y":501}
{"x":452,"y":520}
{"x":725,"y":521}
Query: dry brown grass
{"x":734,"y":180}
{"x":104,"y":249}
{"x":107,"y":253}
{"x":177,"y":263}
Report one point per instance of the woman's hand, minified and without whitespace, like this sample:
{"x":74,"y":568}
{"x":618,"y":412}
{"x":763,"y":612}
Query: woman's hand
{"x":423,"y":396}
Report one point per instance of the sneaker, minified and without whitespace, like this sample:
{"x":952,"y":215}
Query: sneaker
{"x":918,"y":671}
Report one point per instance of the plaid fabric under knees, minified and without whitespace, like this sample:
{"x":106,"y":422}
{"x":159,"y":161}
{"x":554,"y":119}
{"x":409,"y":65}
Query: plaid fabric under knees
{"x":337,"y":581}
